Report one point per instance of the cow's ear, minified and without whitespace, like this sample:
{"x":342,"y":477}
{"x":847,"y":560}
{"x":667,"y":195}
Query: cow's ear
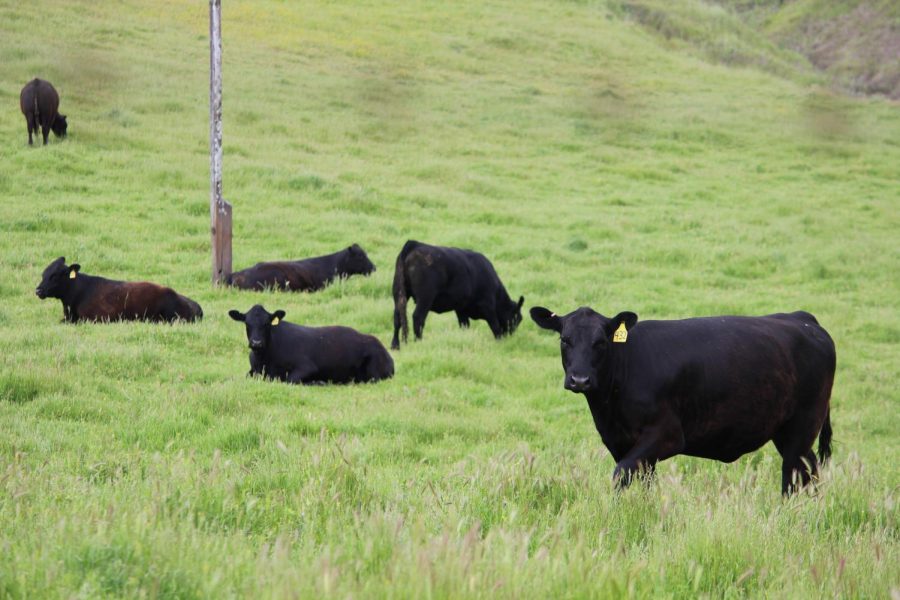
{"x":546,"y":319}
{"x":626,"y":318}
{"x":277,"y":316}
{"x":521,"y":302}
{"x":237,"y":315}
{"x":73,"y":269}
{"x":352,"y":249}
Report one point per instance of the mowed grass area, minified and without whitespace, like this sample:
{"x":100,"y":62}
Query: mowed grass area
{"x":593,"y":161}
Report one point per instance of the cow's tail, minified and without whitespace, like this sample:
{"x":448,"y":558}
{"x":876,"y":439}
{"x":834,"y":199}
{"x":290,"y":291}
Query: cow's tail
{"x":825,"y":439}
{"x":400,"y":296}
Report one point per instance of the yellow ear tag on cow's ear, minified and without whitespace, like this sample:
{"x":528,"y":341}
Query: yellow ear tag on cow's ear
{"x":72,"y":274}
{"x":621,"y":334}
{"x":276,"y":321}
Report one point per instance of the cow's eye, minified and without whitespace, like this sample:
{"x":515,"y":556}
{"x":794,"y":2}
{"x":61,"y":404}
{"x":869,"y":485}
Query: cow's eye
{"x":599,"y":343}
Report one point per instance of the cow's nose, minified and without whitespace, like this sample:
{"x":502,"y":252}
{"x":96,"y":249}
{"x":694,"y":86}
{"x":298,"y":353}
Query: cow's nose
{"x":256,"y":343}
{"x":578,"y":383}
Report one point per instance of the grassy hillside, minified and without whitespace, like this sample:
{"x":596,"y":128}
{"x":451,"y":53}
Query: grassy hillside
{"x":593,"y":161}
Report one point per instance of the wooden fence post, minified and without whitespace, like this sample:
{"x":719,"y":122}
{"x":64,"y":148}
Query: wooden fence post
{"x":219,"y":210}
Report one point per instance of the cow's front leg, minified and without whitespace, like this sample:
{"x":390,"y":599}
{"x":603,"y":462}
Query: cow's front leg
{"x":301,"y":373}
{"x":658,"y":441}
{"x":462,"y":319}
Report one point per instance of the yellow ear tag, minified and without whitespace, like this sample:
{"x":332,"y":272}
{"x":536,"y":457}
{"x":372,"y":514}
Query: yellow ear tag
{"x":621,"y":334}
{"x":72,"y":274}
{"x":276,"y":321}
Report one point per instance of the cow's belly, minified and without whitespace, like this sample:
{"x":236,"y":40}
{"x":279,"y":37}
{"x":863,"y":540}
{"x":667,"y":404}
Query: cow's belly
{"x":725,"y":447}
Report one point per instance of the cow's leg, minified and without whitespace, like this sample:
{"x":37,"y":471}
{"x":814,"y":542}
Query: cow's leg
{"x":301,"y":372}
{"x":462,"y":319}
{"x":798,"y":466}
{"x":657,"y":442}
{"x":423,"y":305}
{"x":29,"y":122}
{"x":45,"y":131}
{"x":794,"y":442}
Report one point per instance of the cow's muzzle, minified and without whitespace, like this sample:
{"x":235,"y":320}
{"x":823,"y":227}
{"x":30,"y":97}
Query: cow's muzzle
{"x":40,"y":293}
{"x":256,"y":345}
{"x":578,"y":383}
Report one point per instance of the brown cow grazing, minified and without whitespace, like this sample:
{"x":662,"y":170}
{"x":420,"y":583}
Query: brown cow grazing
{"x":92,"y":298}
{"x":40,"y":105}
{"x":307,"y":275}
{"x":442,"y":279}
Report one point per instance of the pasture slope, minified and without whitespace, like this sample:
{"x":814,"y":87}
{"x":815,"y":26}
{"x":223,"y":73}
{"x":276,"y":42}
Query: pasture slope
{"x":594,"y":160}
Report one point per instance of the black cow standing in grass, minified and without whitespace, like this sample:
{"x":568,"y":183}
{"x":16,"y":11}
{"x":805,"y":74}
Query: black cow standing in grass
{"x":40,"y":105}
{"x":715,"y":387}
{"x":442,"y":279}
{"x":296,"y":354}
{"x":91,"y":298}
{"x":305,"y":275}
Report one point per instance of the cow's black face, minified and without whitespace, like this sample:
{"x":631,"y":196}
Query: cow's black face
{"x":510,"y":316}
{"x":259,"y":324}
{"x":59,"y":126}
{"x":56,"y":279}
{"x":356,"y":261}
{"x":585,"y":338}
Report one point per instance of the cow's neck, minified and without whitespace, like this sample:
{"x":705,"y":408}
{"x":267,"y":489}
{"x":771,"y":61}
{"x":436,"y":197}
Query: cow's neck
{"x":603,"y":401}
{"x":73,"y":293}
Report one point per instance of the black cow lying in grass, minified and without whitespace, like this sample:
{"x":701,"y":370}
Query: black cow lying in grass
{"x":307,"y":275}
{"x":39,"y":103}
{"x":442,"y":279}
{"x":296,"y":354}
{"x":716,"y":387}
{"x":91,"y":298}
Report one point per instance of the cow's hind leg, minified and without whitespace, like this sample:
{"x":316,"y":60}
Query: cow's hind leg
{"x":798,"y":461}
{"x":423,"y":305}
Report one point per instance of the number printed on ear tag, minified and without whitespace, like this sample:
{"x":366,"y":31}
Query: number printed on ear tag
{"x":276,"y":321}
{"x":621,"y":334}
{"x":72,"y":274}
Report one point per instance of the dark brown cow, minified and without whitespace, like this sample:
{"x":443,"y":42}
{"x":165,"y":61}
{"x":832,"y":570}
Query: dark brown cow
{"x":713,"y":387}
{"x":307,"y":275}
{"x":40,"y":105}
{"x":441,"y":279}
{"x":92,"y":298}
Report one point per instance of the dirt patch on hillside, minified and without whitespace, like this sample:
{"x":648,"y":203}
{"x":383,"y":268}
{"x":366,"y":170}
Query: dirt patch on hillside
{"x":860,"y":49}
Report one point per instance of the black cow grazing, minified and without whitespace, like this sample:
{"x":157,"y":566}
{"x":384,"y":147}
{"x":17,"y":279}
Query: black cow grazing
{"x":296,"y":354}
{"x":40,"y":105}
{"x":442,"y":279}
{"x":715,"y":387}
{"x":307,"y":275}
{"x":91,"y":298}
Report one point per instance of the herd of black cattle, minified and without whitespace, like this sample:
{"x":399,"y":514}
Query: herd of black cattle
{"x":711,"y":387}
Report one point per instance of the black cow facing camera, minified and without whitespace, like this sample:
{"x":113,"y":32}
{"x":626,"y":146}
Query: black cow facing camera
{"x":442,"y":279}
{"x":39,"y":103}
{"x":714,"y":387}
{"x":305,"y":355}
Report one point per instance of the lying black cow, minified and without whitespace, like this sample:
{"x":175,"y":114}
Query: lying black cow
{"x":296,"y":354}
{"x":40,"y":105}
{"x":716,"y":387}
{"x":442,"y":279}
{"x":305,"y":275}
{"x":91,"y":298}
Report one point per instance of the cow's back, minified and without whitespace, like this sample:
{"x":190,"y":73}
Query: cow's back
{"x":731,"y":381}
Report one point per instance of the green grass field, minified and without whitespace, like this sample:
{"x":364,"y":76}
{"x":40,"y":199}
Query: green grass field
{"x":594,"y":159}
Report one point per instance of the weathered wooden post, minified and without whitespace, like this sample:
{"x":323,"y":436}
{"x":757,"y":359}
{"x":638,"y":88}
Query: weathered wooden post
{"x":219,"y":210}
